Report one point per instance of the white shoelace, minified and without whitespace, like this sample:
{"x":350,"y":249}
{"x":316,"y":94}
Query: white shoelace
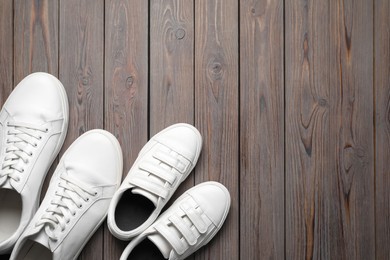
{"x":184,"y":228}
{"x":70,"y":195}
{"x":162,"y":171}
{"x":21,"y":138}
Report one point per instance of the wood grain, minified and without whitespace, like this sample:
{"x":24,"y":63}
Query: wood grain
{"x":126,"y":87}
{"x":6,"y":50}
{"x":216,"y":112}
{"x":36,"y":37}
{"x":382,"y":126}
{"x":81,"y":71}
{"x":171,"y":69}
{"x":261,"y":130}
{"x":329,"y":133}
{"x":36,"y":46}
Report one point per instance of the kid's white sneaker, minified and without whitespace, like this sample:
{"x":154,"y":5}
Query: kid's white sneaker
{"x":162,"y":164}
{"x":190,"y":223}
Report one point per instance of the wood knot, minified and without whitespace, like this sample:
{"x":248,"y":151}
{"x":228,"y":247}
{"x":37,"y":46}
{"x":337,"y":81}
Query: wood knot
{"x":180,"y":33}
{"x":85,"y":81}
{"x":215,"y":70}
{"x":322,"y":102}
{"x":129,"y":81}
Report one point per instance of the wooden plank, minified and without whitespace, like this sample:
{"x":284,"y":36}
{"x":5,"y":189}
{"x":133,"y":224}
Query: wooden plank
{"x":6,"y":49}
{"x":382,"y":126}
{"x":171,"y":68}
{"x":81,"y":72}
{"x":261,"y":130}
{"x":126,"y":86}
{"x":36,"y":45}
{"x":216,"y":112}
{"x":329,"y":132}
{"x":36,"y":37}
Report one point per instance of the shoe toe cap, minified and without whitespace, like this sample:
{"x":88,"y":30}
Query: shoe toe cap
{"x":214,"y":200}
{"x":183,"y":139}
{"x":96,"y":157}
{"x":42,"y":96}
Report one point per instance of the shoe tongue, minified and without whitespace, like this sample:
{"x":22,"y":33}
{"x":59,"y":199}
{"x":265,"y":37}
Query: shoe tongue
{"x":160,"y":242}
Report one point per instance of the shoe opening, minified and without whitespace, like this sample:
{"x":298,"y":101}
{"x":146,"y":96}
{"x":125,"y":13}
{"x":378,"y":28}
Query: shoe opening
{"x":146,"y":250}
{"x":10,"y":213}
{"x":31,"y":250}
{"x":132,"y":210}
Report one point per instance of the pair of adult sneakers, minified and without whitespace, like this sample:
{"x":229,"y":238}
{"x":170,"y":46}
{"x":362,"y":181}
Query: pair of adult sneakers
{"x":84,"y":186}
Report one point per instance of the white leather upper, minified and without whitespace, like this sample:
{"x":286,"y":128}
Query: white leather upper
{"x":33,"y":125}
{"x":36,"y":100}
{"x":190,"y":223}
{"x":162,"y":164}
{"x":80,"y":191}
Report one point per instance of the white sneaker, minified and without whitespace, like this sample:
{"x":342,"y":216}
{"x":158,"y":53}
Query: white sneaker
{"x":190,"y":223}
{"x":77,"y":200}
{"x":162,"y":164}
{"x":33,"y":125}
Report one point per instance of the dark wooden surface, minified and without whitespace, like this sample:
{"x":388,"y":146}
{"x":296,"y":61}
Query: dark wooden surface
{"x":291,"y":97}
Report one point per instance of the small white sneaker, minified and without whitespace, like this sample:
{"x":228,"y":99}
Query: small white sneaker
{"x":33,"y":126}
{"x":190,"y":223}
{"x":162,"y":164}
{"x":77,"y":199}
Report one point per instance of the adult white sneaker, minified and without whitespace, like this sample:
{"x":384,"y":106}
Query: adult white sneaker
{"x":77,"y":199}
{"x":162,"y":164}
{"x":33,"y":126}
{"x":190,"y":223}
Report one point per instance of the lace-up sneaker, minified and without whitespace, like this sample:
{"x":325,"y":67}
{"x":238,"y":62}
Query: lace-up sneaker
{"x":77,"y":200}
{"x":190,"y":223}
{"x":162,"y":164}
{"x":33,"y":125}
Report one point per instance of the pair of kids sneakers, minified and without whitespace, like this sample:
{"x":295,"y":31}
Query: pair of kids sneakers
{"x":86,"y":185}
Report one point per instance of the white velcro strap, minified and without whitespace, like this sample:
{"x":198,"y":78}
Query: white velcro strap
{"x":158,"y":172}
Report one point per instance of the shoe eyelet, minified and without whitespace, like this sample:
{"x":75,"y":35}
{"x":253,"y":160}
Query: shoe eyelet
{"x":80,"y":206}
{"x":35,"y":145}
{"x":31,"y":154}
{"x":22,"y":170}
{"x":87,"y":199}
{"x":7,"y":123}
{"x":95,"y":193}
{"x":74,"y":214}
{"x":46,"y":130}
{"x":40,"y":137}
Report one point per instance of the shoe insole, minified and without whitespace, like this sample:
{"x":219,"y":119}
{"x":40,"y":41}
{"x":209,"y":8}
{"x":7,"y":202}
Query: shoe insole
{"x":10,"y":212}
{"x":146,"y":250}
{"x":132,"y":210}
{"x":32,"y":251}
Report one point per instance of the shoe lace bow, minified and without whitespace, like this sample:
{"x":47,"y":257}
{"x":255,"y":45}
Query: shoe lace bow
{"x":70,"y":195}
{"x":21,"y":140}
